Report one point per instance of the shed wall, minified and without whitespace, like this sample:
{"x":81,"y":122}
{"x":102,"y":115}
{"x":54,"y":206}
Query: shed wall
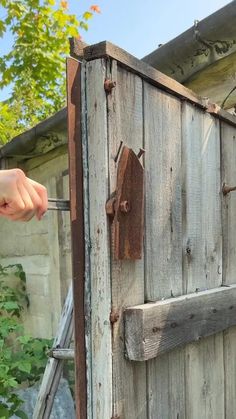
{"x":189,"y":243}
{"x":42,"y":248}
{"x":185,"y":246}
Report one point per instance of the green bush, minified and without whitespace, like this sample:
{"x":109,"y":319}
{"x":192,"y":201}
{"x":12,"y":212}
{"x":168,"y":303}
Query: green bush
{"x":22,"y":358}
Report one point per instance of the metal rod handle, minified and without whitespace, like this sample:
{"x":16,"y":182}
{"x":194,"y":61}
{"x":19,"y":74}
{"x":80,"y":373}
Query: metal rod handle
{"x":58,"y":204}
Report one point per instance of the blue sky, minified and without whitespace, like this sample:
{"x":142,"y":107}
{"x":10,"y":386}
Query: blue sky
{"x":139,"y":26}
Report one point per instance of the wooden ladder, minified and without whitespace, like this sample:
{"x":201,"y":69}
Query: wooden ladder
{"x":59,"y":352}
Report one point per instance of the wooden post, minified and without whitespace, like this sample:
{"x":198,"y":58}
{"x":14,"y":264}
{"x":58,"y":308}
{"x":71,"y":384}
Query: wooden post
{"x":77,"y":230}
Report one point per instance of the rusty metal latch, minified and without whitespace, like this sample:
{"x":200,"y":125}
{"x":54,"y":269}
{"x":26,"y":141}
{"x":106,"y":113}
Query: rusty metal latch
{"x":125,"y":207}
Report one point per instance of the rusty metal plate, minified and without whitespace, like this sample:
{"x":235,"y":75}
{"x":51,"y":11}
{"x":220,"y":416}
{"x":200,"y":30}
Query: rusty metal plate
{"x":128,"y":224}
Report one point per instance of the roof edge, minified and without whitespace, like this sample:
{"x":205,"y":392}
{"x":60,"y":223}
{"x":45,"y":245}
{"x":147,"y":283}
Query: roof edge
{"x":26,"y":142}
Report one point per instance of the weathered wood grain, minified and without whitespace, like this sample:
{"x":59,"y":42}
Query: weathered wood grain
{"x":73,"y":78}
{"x":154,"y":328}
{"x":230,"y":372}
{"x":202,"y":201}
{"x":202,"y":250}
{"x":228,"y":147}
{"x":216,"y":111}
{"x":87,"y":243}
{"x":99,"y":268}
{"x":163,"y":238}
{"x":64,"y":236}
{"x":125,"y":123}
{"x":54,"y":261}
{"x":131,"y":63}
{"x":228,"y":158}
{"x":153,"y":76}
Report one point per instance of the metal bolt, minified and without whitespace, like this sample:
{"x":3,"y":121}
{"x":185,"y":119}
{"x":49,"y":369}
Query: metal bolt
{"x":125,"y":206}
{"x":109,"y":85}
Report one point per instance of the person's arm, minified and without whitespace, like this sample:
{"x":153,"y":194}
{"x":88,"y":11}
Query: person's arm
{"x":20,"y":197}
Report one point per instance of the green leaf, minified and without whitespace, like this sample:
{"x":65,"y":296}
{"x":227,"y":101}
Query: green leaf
{"x":4,"y":412}
{"x":37,"y":80}
{"x":10,"y":305}
{"x":24,"y":339}
{"x":24,"y":366}
{"x":21,"y":414}
{"x":11,"y":382}
{"x":87,"y":15}
{"x":84,"y":25}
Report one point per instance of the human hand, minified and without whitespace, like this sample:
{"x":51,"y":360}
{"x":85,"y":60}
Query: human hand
{"x":20,"y":197}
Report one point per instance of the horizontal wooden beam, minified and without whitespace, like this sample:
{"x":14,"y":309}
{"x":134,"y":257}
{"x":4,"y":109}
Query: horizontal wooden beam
{"x":154,"y":328}
{"x":107,"y":49}
{"x":150,"y":74}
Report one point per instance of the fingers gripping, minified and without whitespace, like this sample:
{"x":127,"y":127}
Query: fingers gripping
{"x":20,"y":197}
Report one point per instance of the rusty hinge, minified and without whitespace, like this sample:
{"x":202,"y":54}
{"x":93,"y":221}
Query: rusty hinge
{"x":125,"y":207}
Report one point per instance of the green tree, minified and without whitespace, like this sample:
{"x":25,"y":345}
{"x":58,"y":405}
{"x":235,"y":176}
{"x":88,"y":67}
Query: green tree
{"x":35,"y":65}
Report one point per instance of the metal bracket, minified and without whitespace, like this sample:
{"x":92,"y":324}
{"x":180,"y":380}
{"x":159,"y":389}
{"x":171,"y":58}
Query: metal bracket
{"x":125,"y":207}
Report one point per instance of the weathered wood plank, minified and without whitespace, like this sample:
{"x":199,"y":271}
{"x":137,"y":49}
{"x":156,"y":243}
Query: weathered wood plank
{"x":153,"y":76}
{"x":228,"y":149}
{"x":99,"y":269}
{"x":202,"y":250}
{"x":216,"y":111}
{"x":77,"y":230}
{"x":201,"y":194}
{"x":154,"y":328}
{"x":63,"y":354}
{"x":230,"y":372}
{"x":148,"y":73}
{"x":163,"y":239}
{"x":64,"y":235}
{"x":87,"y":243}
{"x":54,"y":260}
{"x":205,"y":379}
{"x":125,"y":123}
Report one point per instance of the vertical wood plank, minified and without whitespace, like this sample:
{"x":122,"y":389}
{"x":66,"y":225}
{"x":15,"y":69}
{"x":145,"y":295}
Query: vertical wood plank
{"x":87,"y":278}
{"x":77,"y":230}
{"x":125,"y":123}
{"x":202,"y":197}
{"x":99,"y":240}
{"x":163,"y":258}
{"x":228,"y":150}
{"x":202,"y":249}
{"x":64,"y":236}
{"x":54,"y":258}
